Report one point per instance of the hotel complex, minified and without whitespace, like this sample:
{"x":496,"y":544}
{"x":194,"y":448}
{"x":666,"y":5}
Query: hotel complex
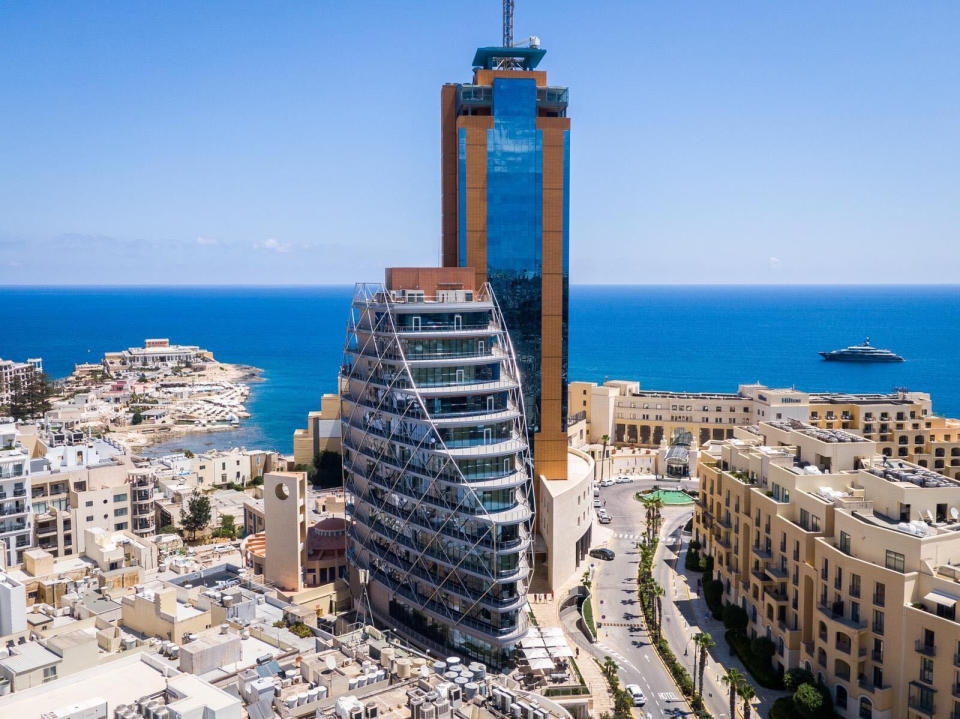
{"x":436,"y":457}
{"x":902,"y":424}
{"x":848,"y":560}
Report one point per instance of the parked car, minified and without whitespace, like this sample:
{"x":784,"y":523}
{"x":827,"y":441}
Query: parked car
{"x":603,"y":553}
{"x":604,"y":518}
{"x":597,"y":502}
{"x":624,"y":479}
{"x":636,"y":693}
{"x":607,"y":482}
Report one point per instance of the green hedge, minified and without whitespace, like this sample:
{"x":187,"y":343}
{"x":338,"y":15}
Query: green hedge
{"x":587,"y":610}
{"x":759,"y":667}
{"x":783,"y":708}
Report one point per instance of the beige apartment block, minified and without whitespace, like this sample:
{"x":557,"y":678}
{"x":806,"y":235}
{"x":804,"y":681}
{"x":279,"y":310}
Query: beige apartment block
{"x":849,"y":561}
{"x":113,"y":550}
{"x":155,"y":611}
{"x":234,"y":466}
{"x":322,"y":433}
{"x":628,"y":415}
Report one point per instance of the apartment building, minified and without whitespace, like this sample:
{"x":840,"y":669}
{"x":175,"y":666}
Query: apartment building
{"x":233,"y":466}
{"x":848,"y":560}
{"x":322,"y":433}
{"x":628,"y":415}
{"x":436,"y":456}
{"x":16,"y":523}
{"x":16,"y":374}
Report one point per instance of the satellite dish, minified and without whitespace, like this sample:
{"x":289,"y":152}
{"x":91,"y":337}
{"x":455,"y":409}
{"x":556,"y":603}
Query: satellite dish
{"x":331,"y":663}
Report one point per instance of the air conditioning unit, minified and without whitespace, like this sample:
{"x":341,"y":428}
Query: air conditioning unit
{"x":372,"y":711}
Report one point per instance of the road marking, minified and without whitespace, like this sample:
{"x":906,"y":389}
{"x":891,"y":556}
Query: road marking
{"x":668,"y":696}
{"x":647,"y":657}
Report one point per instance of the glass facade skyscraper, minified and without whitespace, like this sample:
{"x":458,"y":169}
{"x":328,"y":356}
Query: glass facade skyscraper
{"x":505,"y":161}
{"x":435,"y":458}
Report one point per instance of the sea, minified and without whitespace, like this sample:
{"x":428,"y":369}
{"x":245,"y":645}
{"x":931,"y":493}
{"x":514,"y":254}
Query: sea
{"x":684,"y":338}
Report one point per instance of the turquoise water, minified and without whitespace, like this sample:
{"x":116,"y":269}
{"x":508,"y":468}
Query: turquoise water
{"x":667,"y":337}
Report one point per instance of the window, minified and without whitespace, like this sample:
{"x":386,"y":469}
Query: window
{"x":844,"y":542}
{"x":120,"y":497}
{"x":877,"y":621}
{"x":120,"y":525}
{"x":88,"y":503}
{"x":49,"y":674}
{"x":926,"y":670}
{"x":120,"y":512}
{"x":89,"y":517}
{"x":879,"y":594}
{"x":814,"y":523}
{"x":894,"y":561}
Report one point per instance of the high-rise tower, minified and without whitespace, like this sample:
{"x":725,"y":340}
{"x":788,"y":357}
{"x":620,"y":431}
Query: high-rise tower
{"x":506,"y":178}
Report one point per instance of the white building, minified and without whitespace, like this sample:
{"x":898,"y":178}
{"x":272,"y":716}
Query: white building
{"x":14,"y":373}
{"x":13,"y":606}
{"x":155,"y":354}
{"x":16,"y":526}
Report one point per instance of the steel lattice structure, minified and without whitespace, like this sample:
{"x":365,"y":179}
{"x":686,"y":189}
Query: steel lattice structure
{"x":437,"y":464}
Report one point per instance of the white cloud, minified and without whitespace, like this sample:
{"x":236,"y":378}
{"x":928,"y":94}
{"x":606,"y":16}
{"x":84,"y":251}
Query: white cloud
{"x":775,"y":263}
{"x":201,"y":240}
{"x":274,"y":245}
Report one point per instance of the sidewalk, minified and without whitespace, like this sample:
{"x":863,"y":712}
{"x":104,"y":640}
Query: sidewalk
{"x":548,"y":615}
{"x":693,"y":614}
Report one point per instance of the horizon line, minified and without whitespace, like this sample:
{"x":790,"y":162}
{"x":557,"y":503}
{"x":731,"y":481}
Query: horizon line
{"x":26,"y":286}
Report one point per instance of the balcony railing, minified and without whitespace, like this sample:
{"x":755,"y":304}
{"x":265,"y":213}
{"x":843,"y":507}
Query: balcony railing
{"x":876,"y":655}
{"x":928,"y":708}
{"x":923,"y":647}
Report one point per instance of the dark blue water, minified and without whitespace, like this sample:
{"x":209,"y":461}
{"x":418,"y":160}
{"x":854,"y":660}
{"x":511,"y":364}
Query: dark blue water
{"x":676,"y":338}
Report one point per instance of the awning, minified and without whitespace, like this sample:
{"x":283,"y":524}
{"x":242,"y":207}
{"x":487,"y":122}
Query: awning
{"x":942,"y":599}
{"x":535,"y":653}
{"x":541,"y":664}
{"x":531,"y":642}
{"x":560,"y":652}
{"x":554,"y":642}
{"x":551,"y":632}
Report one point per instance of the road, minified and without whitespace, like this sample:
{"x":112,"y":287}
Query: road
{"x":618,"y":610}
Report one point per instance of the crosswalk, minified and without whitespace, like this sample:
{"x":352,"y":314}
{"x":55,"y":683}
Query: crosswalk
{"x":625,"y":535}
{"x":668,"y":696}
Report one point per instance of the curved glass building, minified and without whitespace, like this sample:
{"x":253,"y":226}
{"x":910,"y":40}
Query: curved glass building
{"x":436,"y":460}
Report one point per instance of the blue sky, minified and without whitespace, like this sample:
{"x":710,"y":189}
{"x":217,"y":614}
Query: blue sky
{"x":291,"y":143}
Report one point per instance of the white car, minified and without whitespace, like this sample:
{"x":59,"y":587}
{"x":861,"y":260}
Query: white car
{"x":607,"y":482}
{"x":636,"y":693}
{"x":624,"y":479}
{"x":597,"y":503}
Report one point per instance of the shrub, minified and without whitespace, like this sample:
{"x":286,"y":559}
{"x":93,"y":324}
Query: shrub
{"x":808,"y":701}
{"x":795,"y":677}
{"x":783,"y":708}
{"x":713,"y":595}
{"x":762,"y":648}
{"x":759,"y":668}
{"x":735,"y":618}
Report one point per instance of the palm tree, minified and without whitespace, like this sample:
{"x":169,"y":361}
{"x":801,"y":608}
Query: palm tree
{"x":733,"y":679}
{"x":656,"y":591}
{"x":656,"y":504}
{"x":746,"y":694}
{"x":704,"y":642}
{"x":603,"y":455}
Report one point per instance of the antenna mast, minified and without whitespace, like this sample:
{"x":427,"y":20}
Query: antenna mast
{"x":507,"y":23}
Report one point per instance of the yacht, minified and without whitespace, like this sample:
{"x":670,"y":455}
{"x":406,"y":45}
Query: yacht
{"x":862,"y":353}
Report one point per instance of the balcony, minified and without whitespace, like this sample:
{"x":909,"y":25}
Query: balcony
{"x":725,"y":522}
{"x":956,"y":660}
{"x":955,"y":689}
{"x":928,"y":708}
{"x":868,"y":686}
{"x":775,"y":570}
{"x":835,"y":613}
{"x":877,"y":656}
{"x":760,"y":551}
{"x":929,"y":650}
{"x":778,"y":596}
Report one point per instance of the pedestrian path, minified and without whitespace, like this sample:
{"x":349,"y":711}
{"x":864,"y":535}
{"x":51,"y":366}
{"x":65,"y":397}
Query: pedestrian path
{"x":625,"y":535}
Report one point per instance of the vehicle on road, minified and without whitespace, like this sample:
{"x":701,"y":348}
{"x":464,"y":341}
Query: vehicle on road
{"x":603,"y":553}
{"x":607,"y":482}
{"x":597,"y":502}
{"x":624,"y":479}
{"x":604,"y":516}
{"x":636,"y":693}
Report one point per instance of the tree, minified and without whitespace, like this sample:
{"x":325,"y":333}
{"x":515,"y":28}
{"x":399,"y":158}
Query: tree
{"x":746,"y":694}
{"x":808,"y":700}
{"x":197,"y":515}
{"x":733,"y":679}
{"x":703,"y":641}
{"x":793,"y":678}
{"x":656,"y":591}
{"x":137,"y":418}
{"x":327,"y":470}
{"x":735,"y":617}
{"x":228,"y":527}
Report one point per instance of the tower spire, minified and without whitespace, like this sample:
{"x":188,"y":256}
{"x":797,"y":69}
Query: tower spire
{"x":507,"y":23}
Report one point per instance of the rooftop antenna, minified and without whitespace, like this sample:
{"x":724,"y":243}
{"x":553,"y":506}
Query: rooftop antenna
{"x":507,"y":23}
